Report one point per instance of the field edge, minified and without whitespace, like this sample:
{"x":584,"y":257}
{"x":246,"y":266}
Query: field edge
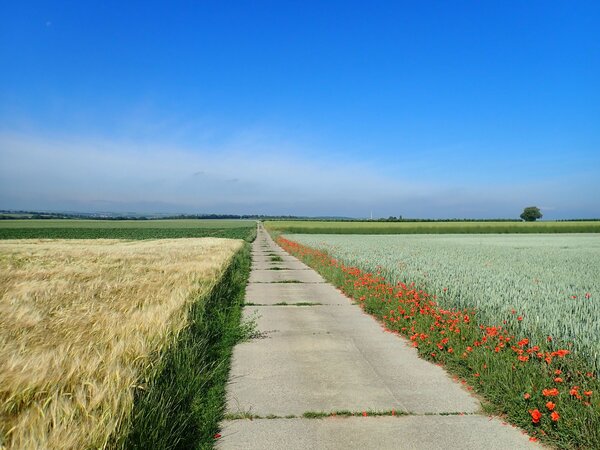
{"x":184,"y":403}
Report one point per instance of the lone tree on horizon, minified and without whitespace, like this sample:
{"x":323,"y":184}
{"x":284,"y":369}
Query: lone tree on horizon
{"x":531,"y":214}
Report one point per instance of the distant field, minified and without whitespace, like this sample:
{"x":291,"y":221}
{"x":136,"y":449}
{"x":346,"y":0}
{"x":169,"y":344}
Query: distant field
{"x":83,"y":325}
{"x":126,"y":229}
{"x":335,"y":227}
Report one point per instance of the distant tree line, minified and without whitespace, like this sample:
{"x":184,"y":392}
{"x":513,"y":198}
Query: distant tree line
{"x":12,"y":215}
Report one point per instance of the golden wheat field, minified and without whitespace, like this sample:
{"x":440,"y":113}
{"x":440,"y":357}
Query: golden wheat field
{"x":82,"y":322}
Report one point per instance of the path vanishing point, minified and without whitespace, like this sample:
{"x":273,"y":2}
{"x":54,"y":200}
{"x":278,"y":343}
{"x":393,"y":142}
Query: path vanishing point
{"x":317,"y":352}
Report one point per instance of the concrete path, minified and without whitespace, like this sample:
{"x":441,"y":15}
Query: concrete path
{"x":319,"y":353}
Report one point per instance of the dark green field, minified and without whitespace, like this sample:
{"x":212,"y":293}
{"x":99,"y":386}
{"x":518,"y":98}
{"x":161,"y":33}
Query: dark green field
{"x":126,"y":229}
{"x":459,"y":227}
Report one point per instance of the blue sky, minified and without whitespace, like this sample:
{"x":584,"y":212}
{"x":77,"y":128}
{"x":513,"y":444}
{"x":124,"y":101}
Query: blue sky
{"x":424,"y":109}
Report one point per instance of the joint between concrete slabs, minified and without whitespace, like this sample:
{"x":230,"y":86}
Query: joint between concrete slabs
{"x":315,"y":415}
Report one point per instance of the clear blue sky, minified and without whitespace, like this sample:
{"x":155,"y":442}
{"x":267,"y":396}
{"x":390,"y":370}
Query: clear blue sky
{"x":425,"y":109}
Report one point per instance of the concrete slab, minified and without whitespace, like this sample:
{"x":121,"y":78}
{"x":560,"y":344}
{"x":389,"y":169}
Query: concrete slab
{"x":270,"y":293}
{"x":324,"y":371}
{"x":263,"y":253}
{"x":279,"y":265}
{"x":402,"y":432}
{"x":274,"y":276}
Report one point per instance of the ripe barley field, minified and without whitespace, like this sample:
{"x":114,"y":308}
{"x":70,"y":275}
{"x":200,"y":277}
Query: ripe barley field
{"x":84,"y":325}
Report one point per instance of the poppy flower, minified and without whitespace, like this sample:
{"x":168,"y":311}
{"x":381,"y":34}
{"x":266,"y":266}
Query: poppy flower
{"x":536,"y":415}
{"x":526,"y":395}
{"x":554,"y":416}
{"x":550,"y":392}
{"x":550,"y":405}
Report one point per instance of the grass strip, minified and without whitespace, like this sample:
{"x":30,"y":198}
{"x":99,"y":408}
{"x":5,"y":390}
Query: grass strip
{"x":325,"y":414}
{"x":284,"y":304}
{"x":182,"y":407}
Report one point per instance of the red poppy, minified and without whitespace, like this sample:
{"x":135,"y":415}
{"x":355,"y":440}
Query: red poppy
{"x":536,"y":415}
{"x":550,"y":405}
{"x":550,"y":392}
{"x":526,"y":395}
{"x":554,"y":416}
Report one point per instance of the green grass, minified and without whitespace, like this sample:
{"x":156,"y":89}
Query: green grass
{"x":347,"y":413}
{"x":276,"y":258}
{"x":127,"y":229}
{"x":338,"y":227}
{"x":182,"y":407}
{"x":322,"y":414}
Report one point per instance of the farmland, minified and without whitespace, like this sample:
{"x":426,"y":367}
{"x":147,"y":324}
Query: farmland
{"x":429,"y":227}
{"x":514,"y":317}
{"x":126,"y":229}
{"x":121,"y":344}
{"x":551,"y":281}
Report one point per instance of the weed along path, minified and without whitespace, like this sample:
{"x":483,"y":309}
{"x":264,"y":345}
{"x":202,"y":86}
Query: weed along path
{"x":321,"y":374}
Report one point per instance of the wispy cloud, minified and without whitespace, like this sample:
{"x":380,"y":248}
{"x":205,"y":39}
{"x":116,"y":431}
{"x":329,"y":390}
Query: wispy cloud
{"x":244,"y":176}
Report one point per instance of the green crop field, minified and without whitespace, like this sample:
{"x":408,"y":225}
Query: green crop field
{"x":552,"y":281}
{"x":355,"y":227}
{"x":126,"y":229}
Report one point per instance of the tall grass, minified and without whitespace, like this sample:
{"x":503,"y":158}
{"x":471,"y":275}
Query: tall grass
{"x":84,"y":326}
